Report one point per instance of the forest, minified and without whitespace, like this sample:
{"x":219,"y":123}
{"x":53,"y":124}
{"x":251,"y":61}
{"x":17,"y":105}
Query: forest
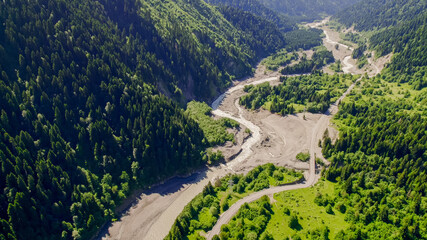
{"x":307,"y":10}
{"x":380,"y":162}
{"x":281,"y":58}
{"x":320,"y":58}
{"x":379,"y":159}
{"x":375,"y":186}
{"x":407,"y":41}
{"x":91,"y":96}
{"x":313,"y":93}
{"x":374,"y":15}
{"x":201,"y":214}
{"x":255,"y":7}
{"x":303,"y":38}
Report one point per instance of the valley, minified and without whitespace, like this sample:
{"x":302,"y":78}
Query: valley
{"x":273,"y":139}
{"x":213,"y":119}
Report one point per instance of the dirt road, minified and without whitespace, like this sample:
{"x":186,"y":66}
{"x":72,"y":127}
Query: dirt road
{"x":274,"y":139}
{"x":317,"y":132}
{"x":154,"y":212}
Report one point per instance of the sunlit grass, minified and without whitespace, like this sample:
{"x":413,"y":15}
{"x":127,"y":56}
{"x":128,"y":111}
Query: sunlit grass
{"x":310,"y":215}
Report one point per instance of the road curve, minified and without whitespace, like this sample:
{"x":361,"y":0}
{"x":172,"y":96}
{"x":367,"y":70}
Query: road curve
{"x":227,"y":215}
{"x":318,"y":130}
{"x":161,"y":206}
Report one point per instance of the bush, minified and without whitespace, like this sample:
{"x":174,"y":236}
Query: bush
{"x":294,"y":223}
{"x":214,"y":157}
{"x":320,"y":162}
{"x":214,"y":211}
{"x":225,"y":206}
{"x":266,"y":236}
{"x":287,"y":211}
{"x":278,"y":175}
{"x":329,"y":209}
{"x":214,"y":130}
{"x":252,"y":235}
{"x":341,"y":207}
{"x":303,"y":156}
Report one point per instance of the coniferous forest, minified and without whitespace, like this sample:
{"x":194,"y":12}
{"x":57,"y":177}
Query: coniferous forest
{"x":83,"y":122}
{"x":92,"y":96}
{"x":82,"y":119}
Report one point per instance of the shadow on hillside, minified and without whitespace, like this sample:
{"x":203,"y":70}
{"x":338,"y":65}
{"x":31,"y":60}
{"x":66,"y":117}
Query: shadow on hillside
{"x":169,"y":186}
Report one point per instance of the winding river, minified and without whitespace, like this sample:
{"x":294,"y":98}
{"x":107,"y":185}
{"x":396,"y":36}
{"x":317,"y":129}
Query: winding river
{"x":318,"y":130}
{"x":154,"y":212}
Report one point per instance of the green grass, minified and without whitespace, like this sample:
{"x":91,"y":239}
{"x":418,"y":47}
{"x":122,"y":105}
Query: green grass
{"x":227,"y":191}
{"x":298,"y":107}
{"x":379,"y":90}
{"x":310,"y":216}
{"x":278,"y":59}
{"x":232,"y":196}
{"x":215,"y":130}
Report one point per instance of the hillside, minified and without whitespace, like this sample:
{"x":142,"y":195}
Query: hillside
{"x":372,"y":14}
{"x":84,"y":115}
{"x":379,"y":159}
{"x":257,"y":8}
{"x":407,"y":41}
{"x":261,"y":35}
{"x":307,"y":10}
{"x":91,"y":96}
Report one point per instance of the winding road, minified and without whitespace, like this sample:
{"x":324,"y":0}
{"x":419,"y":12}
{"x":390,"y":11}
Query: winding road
{"x":318,"y":130}
{"x":317,"y":133}
{"x":153,"y":213}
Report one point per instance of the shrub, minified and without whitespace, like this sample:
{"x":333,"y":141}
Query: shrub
{"x":303,"y":156}
{"x":294,"y":223}
{"x":278,"y":175}
{"x":252,"y":235}
{"x":214,"y":211}
{"x":287,"y":211}
{"x":329,"y":209}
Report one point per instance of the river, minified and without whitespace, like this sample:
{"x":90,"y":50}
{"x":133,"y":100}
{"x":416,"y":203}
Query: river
{"x":153,"y":213}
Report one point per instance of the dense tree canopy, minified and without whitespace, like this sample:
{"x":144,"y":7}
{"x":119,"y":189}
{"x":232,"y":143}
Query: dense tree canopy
{"x":255,"y":7}
{"x":407,"y":41}
{"x":372,"y":14}
{"x":82,"y":120}
{"x":320,"y":58}
{"x":380,"y":157}
{"x":313,"y":93}
{"x":307,"y":10}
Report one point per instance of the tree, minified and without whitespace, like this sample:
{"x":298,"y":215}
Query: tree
{"x":293,"y":222}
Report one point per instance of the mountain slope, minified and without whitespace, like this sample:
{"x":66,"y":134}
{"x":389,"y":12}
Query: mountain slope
{"x":380,"y":157}
{"x":307,"y":10}
{"x":264,"y":36}
{"x":82,"y":119}
{"x":372,"y":14}
{"x":407,"y":41}
{"x":255,"y":7}
{"x":80,"y":127}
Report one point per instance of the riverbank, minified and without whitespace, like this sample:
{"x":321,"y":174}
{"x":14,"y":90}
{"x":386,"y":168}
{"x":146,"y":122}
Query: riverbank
{"x":274,"y":139}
